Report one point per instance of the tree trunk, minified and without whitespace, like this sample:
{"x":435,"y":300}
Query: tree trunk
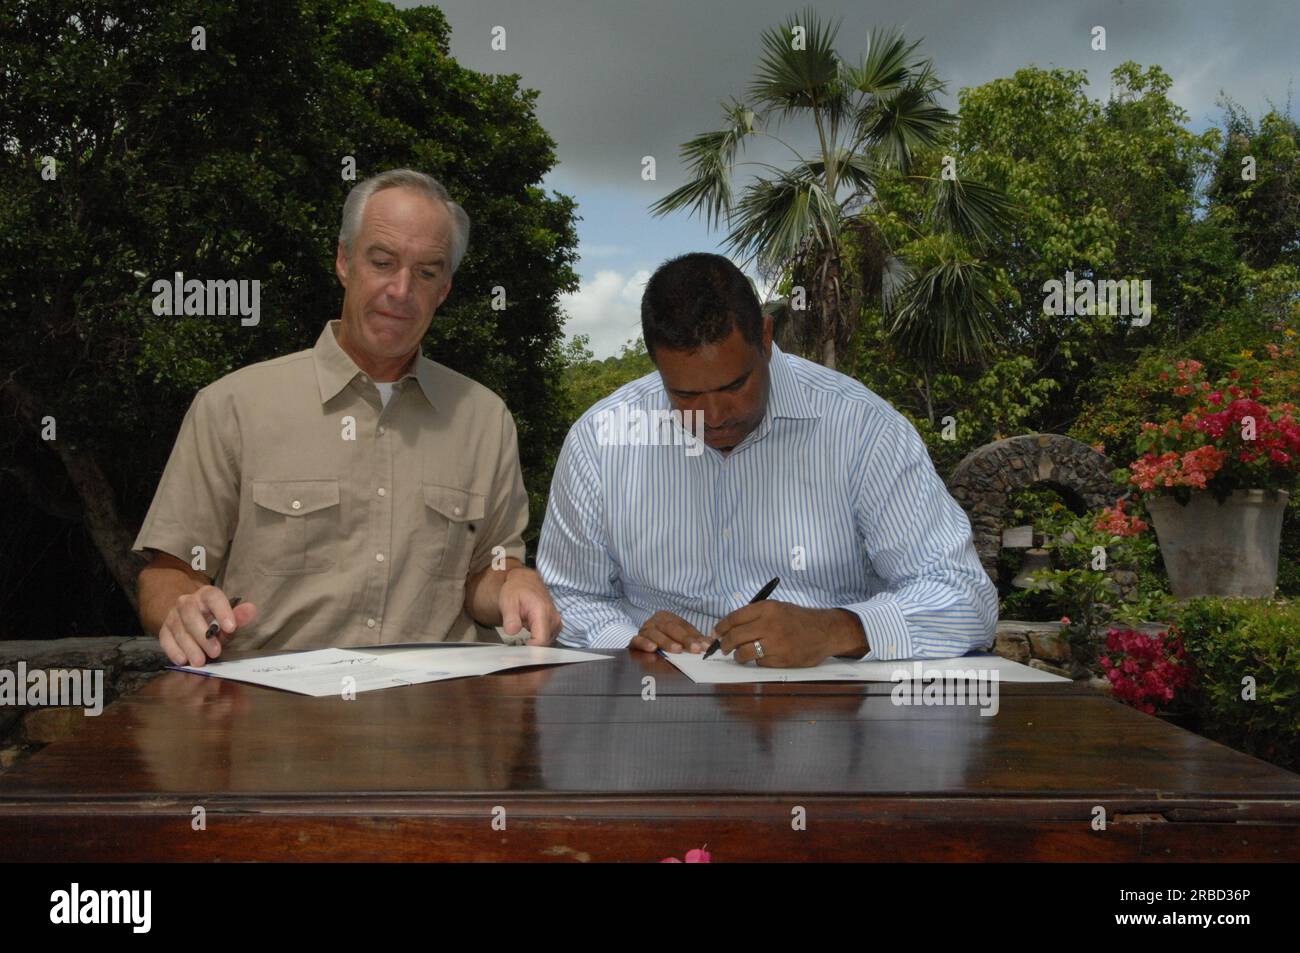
{"x":829,"y":306}
{"x":828,"y":352}
{"x":98,"y":504}
{"x":929,"y":396}
{"x":109,"y":534}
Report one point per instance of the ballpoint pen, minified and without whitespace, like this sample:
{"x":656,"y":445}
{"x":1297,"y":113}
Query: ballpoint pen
{"x":215,"y":627}
{"x":762,"y":594}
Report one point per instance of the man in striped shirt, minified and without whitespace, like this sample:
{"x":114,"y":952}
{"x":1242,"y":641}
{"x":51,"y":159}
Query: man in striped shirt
{"x":657,"y":539}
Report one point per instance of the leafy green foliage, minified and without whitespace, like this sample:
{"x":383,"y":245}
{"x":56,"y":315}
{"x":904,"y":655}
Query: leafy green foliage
{"x":1088,"y":594}
{"x":226,"y":162}
{"x":1228,"y":640}
{"x":1105,"y":189}
{"x":587,"y":380}
{"x":1263,"y":210}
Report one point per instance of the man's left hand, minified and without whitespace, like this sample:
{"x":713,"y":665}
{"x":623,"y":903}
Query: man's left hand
{"x":526,"y":604}
{"x":791,"y":636}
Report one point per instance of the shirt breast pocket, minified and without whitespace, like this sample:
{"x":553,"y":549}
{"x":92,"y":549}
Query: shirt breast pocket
{"x":297,"y":527}
{"x":445,"y":541}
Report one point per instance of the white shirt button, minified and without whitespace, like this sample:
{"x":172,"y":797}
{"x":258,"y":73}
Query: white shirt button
{"x":370,"y":623}
{"x":736,"y":595}
{"x":382,"y":430}
{"x":726,"y":533}
{"x":379,"y":557}
{"x":456,"y":510}
{"x":382,"y":492}
{"x":296,"y":504}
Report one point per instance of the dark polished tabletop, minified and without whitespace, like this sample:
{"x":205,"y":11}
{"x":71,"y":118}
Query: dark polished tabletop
{"x":576,"y":762}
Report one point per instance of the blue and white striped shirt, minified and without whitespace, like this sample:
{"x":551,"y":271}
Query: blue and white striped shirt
{"x":833,"y":492}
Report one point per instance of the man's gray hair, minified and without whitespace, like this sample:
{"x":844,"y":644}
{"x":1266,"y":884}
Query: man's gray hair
{"x":427,"y":185}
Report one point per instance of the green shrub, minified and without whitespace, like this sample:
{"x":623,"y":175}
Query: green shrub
{"x":1228,"y":640}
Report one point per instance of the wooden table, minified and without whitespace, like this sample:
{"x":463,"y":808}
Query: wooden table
{"x":579,"y":766}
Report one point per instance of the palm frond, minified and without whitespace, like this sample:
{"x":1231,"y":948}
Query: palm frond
{"x":709,"y":158}
{"x":855,"y":168}
{"x":895,"y":275}
{"x":899,"y":124}
{"x":885,"y":67}
{"x":787,"y":79}
{"x":971,"y":209}
{"x":945,"y":313}
{"x":778,"y":218}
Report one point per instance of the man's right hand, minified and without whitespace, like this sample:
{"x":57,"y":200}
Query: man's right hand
{"x":669,"y":632}
{"x":183,"y":635}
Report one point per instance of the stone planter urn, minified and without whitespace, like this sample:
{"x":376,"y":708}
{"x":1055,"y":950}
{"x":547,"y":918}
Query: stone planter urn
{"x":1220,"y":549}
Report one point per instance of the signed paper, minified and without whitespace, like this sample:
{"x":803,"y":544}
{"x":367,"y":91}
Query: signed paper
{"x":723,"y":669}
{"x":324,"y":672}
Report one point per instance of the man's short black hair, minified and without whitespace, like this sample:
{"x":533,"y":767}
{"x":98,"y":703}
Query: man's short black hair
{"x":696,"y":299}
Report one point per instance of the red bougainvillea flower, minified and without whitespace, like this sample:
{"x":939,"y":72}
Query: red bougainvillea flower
{"x":1222,"y":436}
{"x":1193,"y":468}
{"x":1144,"y":669}
{"x":1118,"y":523}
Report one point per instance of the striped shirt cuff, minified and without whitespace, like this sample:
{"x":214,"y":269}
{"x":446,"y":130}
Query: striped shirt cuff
{"x":616,"y":635}
{"x":886,"y":629}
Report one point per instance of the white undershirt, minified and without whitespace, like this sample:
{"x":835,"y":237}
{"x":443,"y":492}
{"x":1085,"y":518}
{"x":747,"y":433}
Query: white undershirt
{"x":385,"y":390}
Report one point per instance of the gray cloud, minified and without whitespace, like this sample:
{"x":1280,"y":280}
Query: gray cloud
{"x":621,"y":81}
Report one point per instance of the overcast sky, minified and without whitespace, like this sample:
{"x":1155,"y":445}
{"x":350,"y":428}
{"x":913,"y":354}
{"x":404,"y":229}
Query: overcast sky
{"x":621,"y":81}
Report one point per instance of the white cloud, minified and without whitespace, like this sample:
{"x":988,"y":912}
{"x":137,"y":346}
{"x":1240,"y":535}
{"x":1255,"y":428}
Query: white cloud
{"x":607,"y":308}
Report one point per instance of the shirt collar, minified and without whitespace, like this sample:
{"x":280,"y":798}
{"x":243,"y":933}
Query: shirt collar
{"x":335,"y":369}
{"x":785,"y":397}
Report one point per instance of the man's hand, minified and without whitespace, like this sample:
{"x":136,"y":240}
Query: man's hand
{"x":525,"y":603}
{"x":669,"y":632}
{"x":791,"y":636}
{"x":183,"y":635}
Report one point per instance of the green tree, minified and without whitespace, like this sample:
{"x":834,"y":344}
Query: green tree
{"x":587,"y":380}
{"x":1256,"y":185}
{"x":869,"y":119}
{"x":1105,"y":189}
{"x":228,"y":161}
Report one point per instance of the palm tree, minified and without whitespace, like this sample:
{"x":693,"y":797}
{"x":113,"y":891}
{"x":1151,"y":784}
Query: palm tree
{"x":871,"y":120}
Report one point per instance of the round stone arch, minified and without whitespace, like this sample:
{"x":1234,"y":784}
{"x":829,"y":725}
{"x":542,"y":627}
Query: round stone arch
{"x":985,"y":479}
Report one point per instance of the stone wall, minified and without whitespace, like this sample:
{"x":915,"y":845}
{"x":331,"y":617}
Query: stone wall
{"x":1043,"y":646}
{"x":127,"y":663}
{"x":985,"y":479}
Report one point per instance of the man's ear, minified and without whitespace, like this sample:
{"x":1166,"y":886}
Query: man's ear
{"x":767,"y":335}
{"x":341,"y":265}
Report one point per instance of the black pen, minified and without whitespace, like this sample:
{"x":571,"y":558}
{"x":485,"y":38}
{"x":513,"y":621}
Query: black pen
{"x":215,"y":627}
{"x":762,"y":594}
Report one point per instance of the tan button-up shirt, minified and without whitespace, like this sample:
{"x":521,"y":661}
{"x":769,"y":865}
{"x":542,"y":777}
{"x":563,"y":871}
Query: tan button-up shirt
{"x":344,"y":521}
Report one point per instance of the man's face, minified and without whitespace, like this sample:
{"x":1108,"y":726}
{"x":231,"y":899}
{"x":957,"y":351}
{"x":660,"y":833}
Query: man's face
{"x":398,"y":274}
{"x":726,"y":380}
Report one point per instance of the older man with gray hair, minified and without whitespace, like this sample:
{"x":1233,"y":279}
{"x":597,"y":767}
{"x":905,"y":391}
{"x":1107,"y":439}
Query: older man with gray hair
{"x":356,"y":493}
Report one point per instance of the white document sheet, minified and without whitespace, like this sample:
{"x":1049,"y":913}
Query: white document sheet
{"x":321,"y":672}
{"x":723,"y":669}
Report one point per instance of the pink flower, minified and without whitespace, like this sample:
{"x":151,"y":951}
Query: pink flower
{"x":697,"y":855}
{"x":1118,"y":523}
{"x":1143,"y":669}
